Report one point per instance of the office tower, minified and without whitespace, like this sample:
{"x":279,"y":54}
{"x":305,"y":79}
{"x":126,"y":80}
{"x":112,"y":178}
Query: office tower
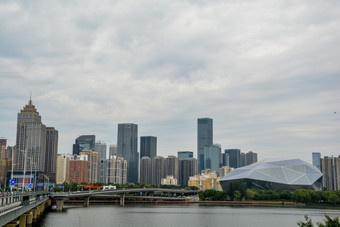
{"x":171,"y":166}
{"x":127,"y":148}
{"x":112,"y":150}
{"x":224,"y":170}
{"x":157,"y":170}
{"x":212,"y":157}
{"x":117,"y":170}
{"x":234,"y":157}
{"x":242,"y":159}
{"x":100,"y":148}
{"x":63,"y":165}
{"x":326,"y":165}
{"x":103,"y":169}
{"x":30,"y":140}
{"x":224,"y":159}
{"x":187,"y":168}
{"x":204,"y":138}
{"x":148,"y":146}
{"x":145,"y":170}
{"x":84,"y":142}
{"x":51,"y":153}
{"x":316,"y":159}
{"x":251,"y":158}
{"x":78,"y":169}
{"x":92,"y":165}
{"x":185,"y":154}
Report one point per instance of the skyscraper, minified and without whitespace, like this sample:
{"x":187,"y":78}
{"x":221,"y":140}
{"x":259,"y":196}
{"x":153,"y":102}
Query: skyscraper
{"x":30,"y":141}
{"x":316,"y":159}
{"x":326,"y":165}
{"x":157,"y":170}
{"x":84,"y":142}
{"x":212,"y":157}
{"x":103,"y":169}
{"x":204,"y":138}
{"x":100,"y":148}
{"x":112,"y":150}
{"x":148,"y":146}
{"x":242,"y":159}
{"x":92,"y":165}
{"x":127,"y":147}
{"x":171,"y":166}
{"x":187,"y":168}
{"x":63,"y":165}
{"x":234,"y":157}
{"x":51,"y":153}
{"x":185,"y":154}
{"x":145,"y":170}
{"x":251,"y":158}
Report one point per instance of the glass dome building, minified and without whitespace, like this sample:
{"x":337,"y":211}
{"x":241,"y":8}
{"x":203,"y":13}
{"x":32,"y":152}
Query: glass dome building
{"x":291,"y":174}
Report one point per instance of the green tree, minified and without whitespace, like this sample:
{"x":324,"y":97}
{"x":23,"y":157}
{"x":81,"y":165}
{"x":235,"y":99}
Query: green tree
{"x":308,"y":222}
{"x":237,"y":195}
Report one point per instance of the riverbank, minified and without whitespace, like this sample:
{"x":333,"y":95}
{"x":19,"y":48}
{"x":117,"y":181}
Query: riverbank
{"x":231,"y":203}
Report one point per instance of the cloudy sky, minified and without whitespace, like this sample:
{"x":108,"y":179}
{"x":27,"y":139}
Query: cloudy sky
{"x":267,"y":72}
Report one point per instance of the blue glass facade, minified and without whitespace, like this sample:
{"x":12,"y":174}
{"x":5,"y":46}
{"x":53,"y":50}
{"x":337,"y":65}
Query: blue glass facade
{"x":204,"y":138}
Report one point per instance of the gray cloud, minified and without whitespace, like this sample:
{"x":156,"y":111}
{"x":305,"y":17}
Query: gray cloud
{"x":267,"y":72}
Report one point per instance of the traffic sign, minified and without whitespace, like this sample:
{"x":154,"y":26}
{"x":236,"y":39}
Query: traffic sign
{"x":29,"y":185}
{"x":40,"y":184}
{"x":60,"y":186}
{"x":11,"y":182}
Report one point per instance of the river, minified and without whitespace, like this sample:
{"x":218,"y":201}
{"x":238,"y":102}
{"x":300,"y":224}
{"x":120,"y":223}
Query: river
{"x":181,"y":215}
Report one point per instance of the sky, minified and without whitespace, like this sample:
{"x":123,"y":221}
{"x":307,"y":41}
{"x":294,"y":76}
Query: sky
{"x":267,"y":72}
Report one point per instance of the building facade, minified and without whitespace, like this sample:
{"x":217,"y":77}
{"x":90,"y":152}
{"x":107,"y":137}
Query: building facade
{"x":148,"y":146}
{"x":204,"y":138}
{"x":157,"y":169}
{"x":63,"y":166}
{"x":127,"y":148}
{"x":78,"y":169}
{"x":92,"y":165}
{"x":206,"y":180}
{"x":84,"y":142}
{"x":112,"y":150}
{"x":234,"y":157}
{"x":51,"y":153}
{"x":117,"y":170}
{"x":171,"y":166}
{"x":169,"y":180}
{"x":212,"y":157}
{"x":187,"y":168}
{"x":316,"y":156}
{"x":145,"y":170}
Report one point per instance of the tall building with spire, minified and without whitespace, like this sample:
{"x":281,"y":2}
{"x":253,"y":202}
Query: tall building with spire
{"x":36,"y":145}
{"x":30,"y":140}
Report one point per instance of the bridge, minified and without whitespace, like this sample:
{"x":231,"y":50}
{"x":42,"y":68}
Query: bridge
{"x":22,"y":208}
{"x":144,"y":193}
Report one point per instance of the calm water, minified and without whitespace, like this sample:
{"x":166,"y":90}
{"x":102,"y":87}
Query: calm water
{"x":181,"y":215}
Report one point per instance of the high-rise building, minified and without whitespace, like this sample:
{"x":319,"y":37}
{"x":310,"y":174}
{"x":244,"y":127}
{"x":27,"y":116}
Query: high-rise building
{"x":5,"y":161}
{"x":234,"y":157}
{"x":92,"y":165}
{"x":112,"y":150}
{"x":100,"y":148}
{"x":51,"y":153}
{"x":204,"y":138}
{"x":30,"y":141}
{"x":117,"y":170}
{"x":63,"y":165}
{"x":326,"y":165}
{"x":187,"y":168}
{"x":316,"y":159}
{"x":157,"y":170}
{"x":337,"y":173}
{"x":242,"y":159}
{"x":127,"y":148}
{"x":206,"y":180}
{"x":212,"y":157}
{"x":84,"y":142}
{"x":78,"y":169}
{"x":148,"y":146}
{"x":103,"y":170}
{"x":224,"y":159}
{"x":145,"y":170}
{"x":251,"y":158}
{"x":171,"y":166}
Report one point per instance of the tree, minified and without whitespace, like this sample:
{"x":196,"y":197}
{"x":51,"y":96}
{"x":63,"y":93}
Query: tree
{"x":308,"y":222}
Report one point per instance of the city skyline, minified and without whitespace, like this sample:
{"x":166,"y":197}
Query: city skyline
{"x":265,"y":72}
